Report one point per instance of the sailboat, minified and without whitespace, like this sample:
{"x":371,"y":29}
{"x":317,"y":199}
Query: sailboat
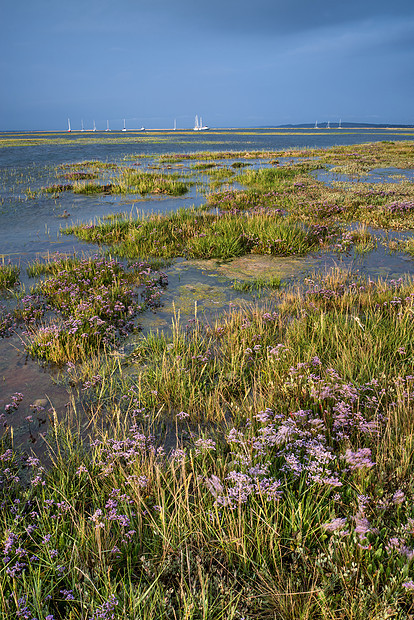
{"x":175,"y":124}
{"x":69,"y":129}
{"x":82,"y":128}
{"x":198,"y":126}
{"x":124,"y":129}
{"x":316,"y":125}
{"x":94,"y":126}
{"x":328,"y":126}
{"x":107,"y":126}
{"x":340,"y":124}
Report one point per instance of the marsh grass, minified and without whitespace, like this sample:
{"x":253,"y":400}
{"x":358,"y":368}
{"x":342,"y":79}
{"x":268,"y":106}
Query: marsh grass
{"x":124,"y":181}
{"x":94,"y":302}
{"x":203,"y":166}
{"x":294,"y":501}
{"x":408,"y":246}
{"x":268,"y":179}
{"x":9,"y":276}
{"x":257,"y":284}
{"x":150,"y":183}
{"x":195,"y":233}
{"x":80,"y":176}
{"x":255,"y":466}
{"x":91,"y":188}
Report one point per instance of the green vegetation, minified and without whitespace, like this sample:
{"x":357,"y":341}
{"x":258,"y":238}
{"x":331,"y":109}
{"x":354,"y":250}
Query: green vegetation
{"x":94,"y":302}
{"x":128,"y":181}
{"x":196,"y":234}
{"x":9,"y":276}
{"x":257,"y":465}
{"x":295,"y":500}
{"x":257,"y":284}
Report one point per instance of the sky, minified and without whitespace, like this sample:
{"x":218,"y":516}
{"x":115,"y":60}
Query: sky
{"x":235,"y":63}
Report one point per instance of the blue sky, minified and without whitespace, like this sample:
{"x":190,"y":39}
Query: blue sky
{"x":237,"y":63}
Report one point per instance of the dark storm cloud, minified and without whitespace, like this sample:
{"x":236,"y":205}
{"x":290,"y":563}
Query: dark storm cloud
{"x":269,"y":17}
{"x":233,"y":61}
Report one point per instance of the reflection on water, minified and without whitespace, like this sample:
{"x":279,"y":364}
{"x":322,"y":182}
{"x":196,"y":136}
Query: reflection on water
{"x":42,"y":396}
{"x":378,"y":175}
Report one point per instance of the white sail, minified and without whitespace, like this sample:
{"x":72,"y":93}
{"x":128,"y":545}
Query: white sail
{"x":94,"y":126}
{"x":199,"y":124}
{"x":69,"y":129}
{"x":82,"y":128}
{"x":340,"y":124}
{"x":124,"y":129}
{"x":328,"y":126}
{"x":316,"y":125}
{"x":107,"y":126}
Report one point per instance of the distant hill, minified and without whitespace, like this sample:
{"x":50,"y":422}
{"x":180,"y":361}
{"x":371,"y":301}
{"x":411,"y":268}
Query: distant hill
{"x":344,"y":125}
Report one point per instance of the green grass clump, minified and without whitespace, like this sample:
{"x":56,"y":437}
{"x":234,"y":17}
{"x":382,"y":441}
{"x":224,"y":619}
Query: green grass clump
{"x":257,"y":284}
{"x":57,"y":188}
{"x":408,"y":246}
{"x":94,"y":300}
{"x":220,"y":174}
{"x":9,"y":276}
{"x":267,"y":179}
{"x":240,"y":164}
{"x":85,"y":169}
{"x":80,"y":176}
{"x":203,"y":166}
{"x":197,"y":234}
{"x":52,"y":265}
{"x":242,"y":200}
{"x":132,"y":181}
{"x":91,"y":188}
{"x":203,"y":369}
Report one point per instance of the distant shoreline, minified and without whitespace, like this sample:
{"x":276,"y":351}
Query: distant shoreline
{"x":307,"y":126}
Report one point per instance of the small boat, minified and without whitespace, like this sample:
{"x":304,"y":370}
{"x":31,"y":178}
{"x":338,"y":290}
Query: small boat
{"x":69,"y":129}
{"x":94,"y":126}
{"x":316,"y":125}
{"x":124,"y":129}
{"x":198,"y":126}
{"x":340,"y":124}
{"x":82,"y":128}
{"x":107,"y":126}
{"x":328,"y":126}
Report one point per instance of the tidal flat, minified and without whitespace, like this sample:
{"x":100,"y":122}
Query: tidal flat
{"x":207,"y":381}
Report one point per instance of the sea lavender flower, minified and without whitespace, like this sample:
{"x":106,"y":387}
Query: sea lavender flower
{"x":178,"y":454}
{"x":359,"y":459}
{"x":336,"y":525}
{"x":105,"y":611}
{"x":398,"y":497}
{"x":362,"y":526}
{"x":214,"y":485}
{"x":95,"y":518}
{"x":263,"y":416}
{"x":202,"y":445}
